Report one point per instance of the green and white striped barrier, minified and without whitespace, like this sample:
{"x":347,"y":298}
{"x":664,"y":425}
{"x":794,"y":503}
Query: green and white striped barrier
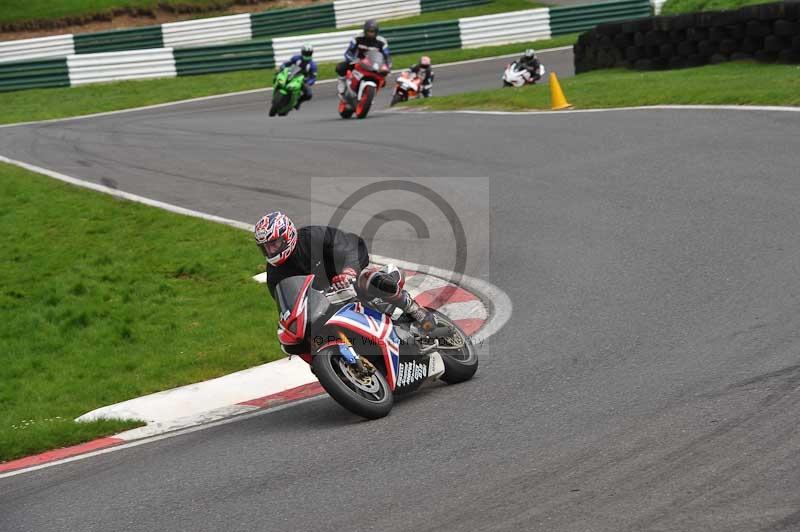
{"x":164,"y":54}
{"x":26,"y":49}
{"x":219,"y":30}
{"x":530,"y":25}
{"x":354,"y":12}
{"x":207,"y":31}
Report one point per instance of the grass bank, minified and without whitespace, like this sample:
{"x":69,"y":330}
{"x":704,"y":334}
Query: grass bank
{"x":42,"y":104}
{"x":737,"y":83}
{"x":105,"y":300}
{"x":493,"y":7}
{"x":674,"y":7}
{"x":23,"y":10}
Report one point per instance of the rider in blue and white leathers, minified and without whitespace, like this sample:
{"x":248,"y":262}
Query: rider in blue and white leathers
{"x":367,"y":40}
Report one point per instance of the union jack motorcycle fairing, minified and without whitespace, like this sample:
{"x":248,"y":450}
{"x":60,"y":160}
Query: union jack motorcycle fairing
{"x":360,"y":354}
{"x":363,"y":82}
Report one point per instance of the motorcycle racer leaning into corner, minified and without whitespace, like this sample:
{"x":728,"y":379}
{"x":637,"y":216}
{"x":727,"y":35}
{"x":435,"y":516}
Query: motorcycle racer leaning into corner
{"x":336,"y":259}
{"x":368,"y":39}
{"x":304,"y":61}
{"x":424,"y":70}
{"x":531,"y":63}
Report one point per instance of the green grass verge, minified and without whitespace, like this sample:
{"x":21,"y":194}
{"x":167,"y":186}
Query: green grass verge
{"x":737,"y":83}
{"x":19,"y":10}
{"x":24,"y":10}
{"x":42,"y":104}
{"x":495,"y":6}
{"x":674,"y":7}
{"x":105,"y":300}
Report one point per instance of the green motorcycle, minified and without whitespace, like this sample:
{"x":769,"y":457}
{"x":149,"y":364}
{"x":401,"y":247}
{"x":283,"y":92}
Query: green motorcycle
{"x":287,"y":89}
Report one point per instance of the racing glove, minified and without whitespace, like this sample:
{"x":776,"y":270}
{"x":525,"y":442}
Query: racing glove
{"x":344,"y":279}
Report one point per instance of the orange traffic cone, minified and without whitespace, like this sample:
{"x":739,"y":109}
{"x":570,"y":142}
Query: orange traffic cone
{"x":557,"y":99}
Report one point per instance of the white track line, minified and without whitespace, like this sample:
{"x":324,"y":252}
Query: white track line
{"x":240,"y":93}
{"x":688,"y":107}
{"x":151,"y":439}
{"x":126,"y":195}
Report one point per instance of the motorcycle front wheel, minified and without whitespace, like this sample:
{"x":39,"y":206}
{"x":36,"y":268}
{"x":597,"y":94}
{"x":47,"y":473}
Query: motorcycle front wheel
{"x":345,"y":111}
{"x":369,"y":397}
{"x":397,"y":98}
{"x":279,"y":102}
{"x":365,"y":103}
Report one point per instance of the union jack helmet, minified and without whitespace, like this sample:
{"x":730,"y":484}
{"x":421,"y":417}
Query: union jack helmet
{"x":276,"y":236}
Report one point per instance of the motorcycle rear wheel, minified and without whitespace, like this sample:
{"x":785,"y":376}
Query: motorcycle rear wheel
{"x":371,"y":400}
{"x":459,"y":366}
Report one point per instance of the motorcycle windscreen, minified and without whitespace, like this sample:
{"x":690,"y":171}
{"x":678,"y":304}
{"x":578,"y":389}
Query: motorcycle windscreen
{"x":374,"y":58}
{"x":287,"y":292}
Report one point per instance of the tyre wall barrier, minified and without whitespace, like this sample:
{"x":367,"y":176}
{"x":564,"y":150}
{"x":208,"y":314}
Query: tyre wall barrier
{"x":765,"y":33}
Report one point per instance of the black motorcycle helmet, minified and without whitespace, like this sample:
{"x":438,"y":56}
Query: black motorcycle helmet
{"x":371,"y":28}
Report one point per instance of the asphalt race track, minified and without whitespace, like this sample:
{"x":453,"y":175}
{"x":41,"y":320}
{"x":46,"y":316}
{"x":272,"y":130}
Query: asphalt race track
{"x":648,"y":379}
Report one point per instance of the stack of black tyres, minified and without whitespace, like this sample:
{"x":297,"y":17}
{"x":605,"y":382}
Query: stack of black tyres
{"x":765,"y":33}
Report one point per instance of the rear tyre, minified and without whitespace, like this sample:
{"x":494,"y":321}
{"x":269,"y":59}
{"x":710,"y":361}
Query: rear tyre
{"x":459,"y":364}
{"x":371,"y":400}
{"x":364,"y":104}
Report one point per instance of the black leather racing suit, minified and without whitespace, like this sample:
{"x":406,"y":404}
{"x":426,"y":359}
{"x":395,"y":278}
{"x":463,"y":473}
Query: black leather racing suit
{"x":324,"y":252}
{"x":531,"y":64}
{"x":321,"y":251}
{"x":426,"y":73}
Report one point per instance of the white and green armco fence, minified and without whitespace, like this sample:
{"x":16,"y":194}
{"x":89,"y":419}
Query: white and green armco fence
{"x":252,"y":41}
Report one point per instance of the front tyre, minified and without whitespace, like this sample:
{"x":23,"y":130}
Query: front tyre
{"x":458,"y":353}
{"x":279,"y":103}
{"x":369,"y":397}
{"x":365,"y":103}
{"x":345,"y":111}
{"x":398,"y":97}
